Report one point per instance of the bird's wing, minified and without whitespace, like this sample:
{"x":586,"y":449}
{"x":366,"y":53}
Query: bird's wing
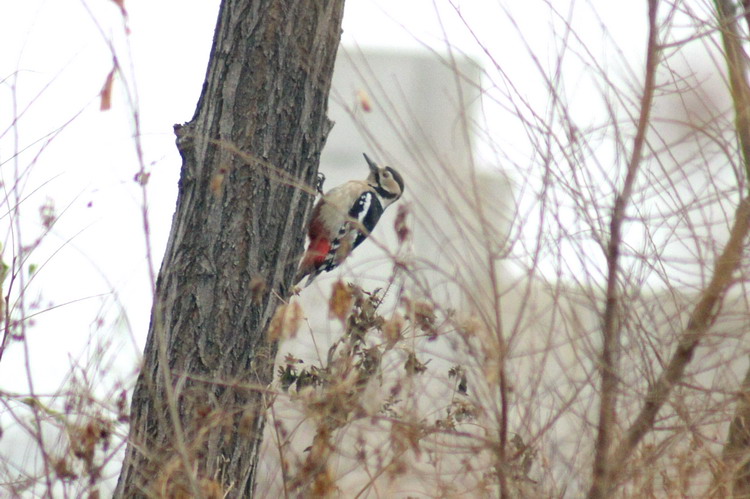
{"x":363,"y":216}
{"x":366,"y":211}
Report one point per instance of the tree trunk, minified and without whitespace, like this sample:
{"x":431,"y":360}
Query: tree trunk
{"x":250,"y":155}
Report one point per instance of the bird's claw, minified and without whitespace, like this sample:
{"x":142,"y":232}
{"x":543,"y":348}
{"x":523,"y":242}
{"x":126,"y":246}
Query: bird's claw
{"x":319,"y":183}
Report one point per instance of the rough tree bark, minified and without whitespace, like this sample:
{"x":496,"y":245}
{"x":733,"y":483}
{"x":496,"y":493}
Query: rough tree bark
{"x":249,"y":155}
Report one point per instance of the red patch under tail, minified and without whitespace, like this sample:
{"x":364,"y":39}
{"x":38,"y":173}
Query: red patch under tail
{"x":316,"y":252}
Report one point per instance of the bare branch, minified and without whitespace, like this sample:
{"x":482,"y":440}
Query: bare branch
{"x":702,"y":317}
{"x":610,"y":328}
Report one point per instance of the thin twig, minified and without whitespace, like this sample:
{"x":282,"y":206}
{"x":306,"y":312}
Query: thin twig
{"x":608,"y":366}
{"x":702,"y":317}
{"x":705,"y":311}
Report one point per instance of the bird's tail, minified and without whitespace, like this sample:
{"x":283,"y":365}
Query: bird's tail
{"x":312,"y":261}
{"x":311,"y":274}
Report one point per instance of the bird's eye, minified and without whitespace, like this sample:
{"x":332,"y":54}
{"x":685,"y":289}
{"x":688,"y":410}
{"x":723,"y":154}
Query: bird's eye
{"x":387,"y":175}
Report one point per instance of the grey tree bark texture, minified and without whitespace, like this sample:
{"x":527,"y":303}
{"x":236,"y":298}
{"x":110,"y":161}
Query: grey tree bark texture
{"x":250,"y":155}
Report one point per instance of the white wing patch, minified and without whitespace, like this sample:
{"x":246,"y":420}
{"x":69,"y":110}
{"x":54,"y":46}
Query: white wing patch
{"x":363,"y":206}
{"x":356,"y":226}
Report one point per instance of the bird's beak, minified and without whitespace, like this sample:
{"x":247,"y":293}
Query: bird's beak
{"x":373,"y":165}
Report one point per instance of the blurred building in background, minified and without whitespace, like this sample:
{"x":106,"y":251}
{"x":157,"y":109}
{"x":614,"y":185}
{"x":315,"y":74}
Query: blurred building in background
{"x":415,"y":112}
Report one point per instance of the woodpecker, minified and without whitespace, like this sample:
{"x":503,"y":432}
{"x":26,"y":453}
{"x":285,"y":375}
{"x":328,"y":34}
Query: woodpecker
{"x":344,"y":217}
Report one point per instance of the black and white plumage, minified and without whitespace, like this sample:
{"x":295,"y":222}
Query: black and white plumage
{"x":345,"y":216}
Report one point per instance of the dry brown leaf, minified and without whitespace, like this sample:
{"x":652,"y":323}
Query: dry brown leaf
{"x":258,"y":288}
{"x":285,"y":322}
{"x":121,"y":4}
{"x":402,"y":230}
{"x":344,"y":250}
{"x":341,"y":301}
{"x":106,"y":93}
{"x":364,"y":100}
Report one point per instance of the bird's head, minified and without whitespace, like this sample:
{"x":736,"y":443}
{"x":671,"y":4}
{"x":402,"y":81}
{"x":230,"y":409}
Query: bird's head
{"x":387,"y":182}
